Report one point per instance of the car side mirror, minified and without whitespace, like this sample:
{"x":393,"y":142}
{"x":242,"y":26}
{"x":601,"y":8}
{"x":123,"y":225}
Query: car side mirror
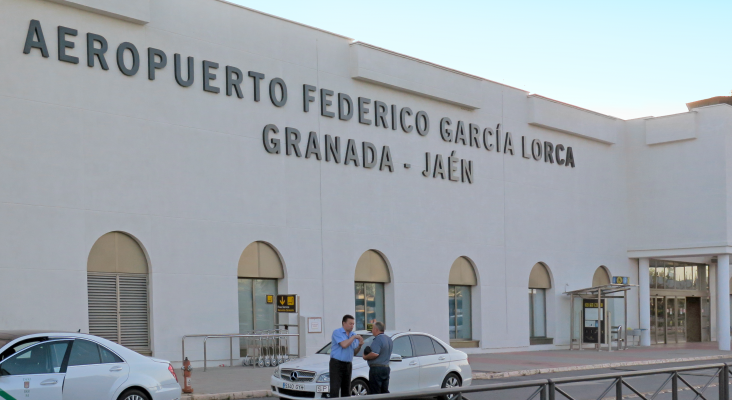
{"x":396,"y":358}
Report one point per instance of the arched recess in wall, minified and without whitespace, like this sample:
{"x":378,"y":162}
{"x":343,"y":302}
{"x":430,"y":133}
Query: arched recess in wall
{"x":118,"y":289}
{"x":371,"y":277}
{"x":462,"y":284}
{"x":601,"y":277}
{"x":540,"y":292}
{"x":259,"y":271}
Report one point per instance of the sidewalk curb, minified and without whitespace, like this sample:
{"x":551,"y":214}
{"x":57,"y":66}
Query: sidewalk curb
{"x":228,"y":396}
{"x":527,"y":372}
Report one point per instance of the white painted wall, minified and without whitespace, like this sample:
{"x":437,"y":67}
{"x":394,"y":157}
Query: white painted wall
{"x":85,"y":151}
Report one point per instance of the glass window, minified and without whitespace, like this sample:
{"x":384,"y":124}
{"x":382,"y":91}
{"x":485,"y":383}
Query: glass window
{"x":108,"y":357}
{"x":460,"y":312}
{"x":369,"y":304}
{"x":255,"y":314}
{"x":360,"y":305}
{"x":423,"y":345}
{"x":670,"y":281}
{"x":660,"y":275}
{"x":403,"y":347}
{"x":680,"y":278}
{"x":439,"y":349}
{"x":537,"y":312}
{"x":19,"y":346}
{"x":43,"y":358}
{"x":264,"y":313}
{"x":254,"y":311}
{"x":84,"y":352}
{"x":246,"y":305}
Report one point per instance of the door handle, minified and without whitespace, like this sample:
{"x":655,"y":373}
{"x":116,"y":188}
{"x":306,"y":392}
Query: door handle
{"x":441,"y":358}
{"x":115,"y":369}
{"x":413,"y":363}
{"x":49,"y":382}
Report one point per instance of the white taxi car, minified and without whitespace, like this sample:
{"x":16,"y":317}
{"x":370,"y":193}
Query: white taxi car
{"x":75,"y":366}
{"x":418,"y":361}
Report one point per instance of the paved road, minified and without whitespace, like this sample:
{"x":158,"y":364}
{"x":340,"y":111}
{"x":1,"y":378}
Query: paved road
{"x":646,"y":385}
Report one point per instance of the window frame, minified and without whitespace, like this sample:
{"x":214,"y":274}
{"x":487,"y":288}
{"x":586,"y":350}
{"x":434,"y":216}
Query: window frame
{"x":411,"y":346}
{"x":435,"y":343}
{"x":365,"y":307}
{"x":64,"y":360}
{"x":38,"y":339}
{"x":111,"y":351}
{"x":254,"y":298}
{"x":455,"y":312}
{"x":532,"y":330}
{"x":414,"y":346}
{"x":79,"y":340}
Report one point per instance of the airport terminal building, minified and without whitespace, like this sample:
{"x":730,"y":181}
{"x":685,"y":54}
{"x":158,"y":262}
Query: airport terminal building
{"x":168,"y":167}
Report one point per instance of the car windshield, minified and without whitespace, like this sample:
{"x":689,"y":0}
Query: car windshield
{"x":366,"y":342}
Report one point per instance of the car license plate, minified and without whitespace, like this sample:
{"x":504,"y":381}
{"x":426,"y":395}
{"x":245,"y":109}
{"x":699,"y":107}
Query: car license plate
{"x":292,"y":386}
{"x":322,"y":389}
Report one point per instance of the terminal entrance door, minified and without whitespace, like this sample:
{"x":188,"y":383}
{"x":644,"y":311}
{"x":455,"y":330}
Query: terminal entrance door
{"x":668,"y":320}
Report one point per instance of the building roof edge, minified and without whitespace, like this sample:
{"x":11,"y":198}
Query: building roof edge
{"x":442,"y":67}
{"x":284,"y":19}
{"x":576,"y":107}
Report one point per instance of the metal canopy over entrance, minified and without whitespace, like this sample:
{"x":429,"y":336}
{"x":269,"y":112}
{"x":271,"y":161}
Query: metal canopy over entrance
{"x":596,"y":325}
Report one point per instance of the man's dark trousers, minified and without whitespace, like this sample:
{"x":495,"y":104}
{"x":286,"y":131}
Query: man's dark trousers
{"x":340,"y":378}
{"x":379,"y":379}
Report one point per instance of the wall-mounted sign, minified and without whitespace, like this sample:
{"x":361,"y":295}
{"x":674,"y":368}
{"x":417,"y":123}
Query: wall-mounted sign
{"x":315,"y":325}
{"x":620,"y":280}
{"x":270,"y":299}
{"x":287,"y":303}
{"x":442,"y":163}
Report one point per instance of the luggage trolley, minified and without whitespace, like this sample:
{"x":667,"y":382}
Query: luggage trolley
{"x":268,"y":348}
{"x":282,"y":350}
{"x":269,"y":357}
{"x":248,"y":345}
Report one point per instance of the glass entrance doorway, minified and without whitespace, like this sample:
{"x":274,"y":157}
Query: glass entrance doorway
{"x":679,"y":302}
{"x":668,"y":320}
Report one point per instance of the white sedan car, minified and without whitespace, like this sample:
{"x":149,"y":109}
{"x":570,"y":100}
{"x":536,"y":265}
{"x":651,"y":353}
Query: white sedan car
{"x":75,"y":366}
{"x":418,"y":361}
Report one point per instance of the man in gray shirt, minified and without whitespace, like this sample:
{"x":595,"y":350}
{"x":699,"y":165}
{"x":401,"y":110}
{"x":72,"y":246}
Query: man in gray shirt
{"x":378,"y":360}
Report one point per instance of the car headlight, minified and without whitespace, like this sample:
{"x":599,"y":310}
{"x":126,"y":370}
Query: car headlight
{"x":276,"y":372}
{"x":324,"y":378}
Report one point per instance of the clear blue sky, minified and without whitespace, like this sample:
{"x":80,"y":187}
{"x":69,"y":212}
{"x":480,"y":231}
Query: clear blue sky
{"x":628,"y":59}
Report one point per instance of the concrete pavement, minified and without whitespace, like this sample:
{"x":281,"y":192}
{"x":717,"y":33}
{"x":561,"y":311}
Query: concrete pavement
{"x":522,"y":363}
{"x":247,"y":382}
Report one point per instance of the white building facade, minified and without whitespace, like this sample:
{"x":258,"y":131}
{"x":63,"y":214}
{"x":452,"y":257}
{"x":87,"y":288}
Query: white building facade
{"x":166,"y":165}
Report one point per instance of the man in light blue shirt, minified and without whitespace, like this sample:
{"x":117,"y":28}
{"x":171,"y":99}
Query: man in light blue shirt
{"x":344,"y":345}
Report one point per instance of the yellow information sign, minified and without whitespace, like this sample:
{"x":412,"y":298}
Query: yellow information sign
{"x":287,"y":303}
{"x":270,"y":299}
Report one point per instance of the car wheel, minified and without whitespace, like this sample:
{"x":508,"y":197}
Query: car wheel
{"x":359,"y":387}
{"x":134,"y":394}
{"x":452,"y":380}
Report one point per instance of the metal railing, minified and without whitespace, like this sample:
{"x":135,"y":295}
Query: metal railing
{"x":231,"y":343}
{"x":549,"y":389}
